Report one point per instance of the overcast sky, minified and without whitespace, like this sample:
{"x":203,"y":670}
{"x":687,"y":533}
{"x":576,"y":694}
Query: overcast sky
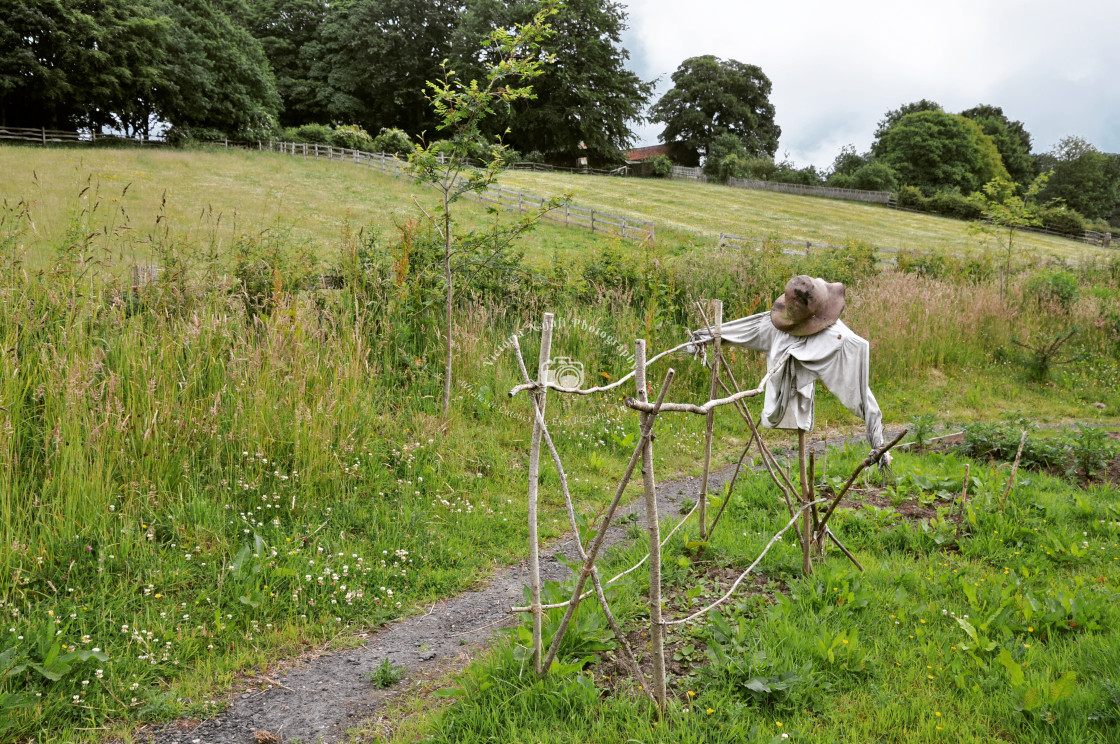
{"x":837,"y":67}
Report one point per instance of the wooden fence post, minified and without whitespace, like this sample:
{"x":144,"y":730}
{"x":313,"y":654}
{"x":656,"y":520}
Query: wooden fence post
{"x":592,"y":220}
{"x":44,"y":133}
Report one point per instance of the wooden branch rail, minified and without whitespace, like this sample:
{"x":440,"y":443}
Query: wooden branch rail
{"x":588,"y":391}
{"x":811,"y":525}
{"x":874,"y":457}
{"x":711,"y":405}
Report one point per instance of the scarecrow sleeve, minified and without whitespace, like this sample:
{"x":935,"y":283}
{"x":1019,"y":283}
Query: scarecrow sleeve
{"x":753,"y":332}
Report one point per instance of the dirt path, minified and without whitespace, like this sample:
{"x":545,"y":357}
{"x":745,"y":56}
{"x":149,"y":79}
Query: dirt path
{"x":320,"y":699}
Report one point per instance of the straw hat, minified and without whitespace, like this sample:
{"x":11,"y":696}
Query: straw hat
{"x":808,"y":306}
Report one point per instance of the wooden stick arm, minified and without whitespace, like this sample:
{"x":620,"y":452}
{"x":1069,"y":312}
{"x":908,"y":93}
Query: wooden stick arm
{"x":589,"y":391}
{"x":711,"y":405}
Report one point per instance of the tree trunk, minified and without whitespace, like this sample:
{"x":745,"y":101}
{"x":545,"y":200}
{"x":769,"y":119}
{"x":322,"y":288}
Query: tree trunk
{"x":448,"y":300}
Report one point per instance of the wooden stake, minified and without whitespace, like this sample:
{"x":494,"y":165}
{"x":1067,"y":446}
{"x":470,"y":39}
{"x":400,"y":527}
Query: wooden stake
{"x":654,"y":526}
{"x":730,"y":487}
{"x":964,"y":494}
{"x":624,"y":644}
{"x":597,"y":543}
{"x":715,"y":328}
{"x":534,"y":481}
{"x":868,"y":461}
{"x":1014,"y":470}
{"x":806,"y":560}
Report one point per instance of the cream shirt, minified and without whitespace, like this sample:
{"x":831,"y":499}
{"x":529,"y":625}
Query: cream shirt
{"x":836,"y":356}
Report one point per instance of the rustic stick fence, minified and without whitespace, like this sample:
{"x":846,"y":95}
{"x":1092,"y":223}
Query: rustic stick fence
{"x":802,"y":502}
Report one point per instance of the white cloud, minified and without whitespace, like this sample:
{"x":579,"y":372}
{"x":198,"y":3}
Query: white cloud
{"x":837,"y":68}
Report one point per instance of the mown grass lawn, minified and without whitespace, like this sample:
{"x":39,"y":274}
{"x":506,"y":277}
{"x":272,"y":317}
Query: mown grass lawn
{"x":219,"y":195}
{"x":705,"y":210}
{"x":1009,"y":632}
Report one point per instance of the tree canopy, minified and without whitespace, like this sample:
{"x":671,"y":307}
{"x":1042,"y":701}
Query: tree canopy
{"x":894,"y":116}
{"x":588,"y":96}
{"x":934,"y":151}
{"x":374,"y":58}
{"x":122,"y":64}
{"x":1086,"y":179}
{"x":1011,"y":138}
{"x":710,"y":97}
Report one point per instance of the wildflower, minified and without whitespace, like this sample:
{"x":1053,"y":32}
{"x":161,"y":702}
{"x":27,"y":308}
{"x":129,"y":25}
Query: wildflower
{"x":711,"y":711}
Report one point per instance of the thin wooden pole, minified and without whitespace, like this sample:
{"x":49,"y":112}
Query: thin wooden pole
{"x":964,"y":495}
{"x":715,"y":328}
{"x":624,"y":644}
{"x":534,"y":482}
{"x":654,"y":526}
{"x":806,"y":560}
{"x":1014,"y":470}
{"x":597,"y":543}
{"x":730,"y":487}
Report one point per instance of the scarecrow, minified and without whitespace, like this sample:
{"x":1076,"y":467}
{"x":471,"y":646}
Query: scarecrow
{"x":804,"y":329}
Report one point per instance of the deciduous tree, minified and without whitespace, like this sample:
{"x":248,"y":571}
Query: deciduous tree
{"x":461,"y":107}
{"x":588,"y":96}
{"x":1086,"y":179}
{"x":1011,"y":139}
{"x":711,"y":96}
{"x":934,"y":150}
{"x":288,"y":31}
{"x":374,"y":58}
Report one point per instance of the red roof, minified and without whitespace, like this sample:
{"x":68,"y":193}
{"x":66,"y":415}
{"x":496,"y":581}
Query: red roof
{"x":645,"y":153}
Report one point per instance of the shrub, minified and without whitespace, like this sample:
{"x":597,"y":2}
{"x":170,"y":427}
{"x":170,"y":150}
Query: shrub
{"x":974,"y":269}
{"x":1063,"y":220}
{"x":726,"y":158}
{"x":807,"y":176}
{"x":353,"y":137}
{"x":318,"y":134}
{"x":536,"y":156}
{"x":393,"y":142}
{"x":662,"y":166}
{"x":1054,"y":288}
{"x":955,"y":204}
{"x":1091,"y":451}
{"x":874,"y":176}
{"x":911,"y":197}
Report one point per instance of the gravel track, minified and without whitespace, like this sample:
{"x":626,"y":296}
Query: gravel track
{"x":319,"y":699}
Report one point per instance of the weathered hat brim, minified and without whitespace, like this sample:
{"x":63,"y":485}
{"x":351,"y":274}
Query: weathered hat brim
{"x":824,"y":317}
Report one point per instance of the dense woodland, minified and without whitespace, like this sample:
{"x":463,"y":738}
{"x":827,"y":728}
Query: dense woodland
{"x":204,"y":69}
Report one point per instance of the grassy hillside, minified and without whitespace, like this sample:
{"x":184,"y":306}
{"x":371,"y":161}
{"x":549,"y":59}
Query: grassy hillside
{"x":221,"y":194}
{"x":705,"y":210}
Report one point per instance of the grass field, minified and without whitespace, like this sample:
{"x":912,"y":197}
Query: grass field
{"x":230,"y":464}
{"x":1009,"y":632}
{"x":706,"y":210}
{"x":253,"y":191}
{"x":223,"y":194}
